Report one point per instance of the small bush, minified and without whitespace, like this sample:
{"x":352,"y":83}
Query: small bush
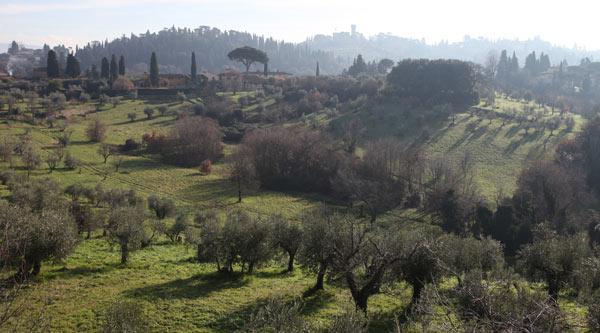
{"x":149,"y":112}
{"x":70,"y":161}
{"x":206,"y":167}
{"x":129,"y":145}
{"x":124,"y":316}
{"x":163,"y":110}
{"x":278,"y":315}
{"x":96,"y":130}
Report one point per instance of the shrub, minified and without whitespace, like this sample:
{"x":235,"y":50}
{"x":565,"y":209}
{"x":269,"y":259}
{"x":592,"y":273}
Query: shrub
{"x":70,"y":161}
{"x":122,"y":83}
{"x":154,"y":142}
{"x":96,"y":130}
{"x":129,"y":145}
{"x":278,"y":315}
{"x":192,"y":141}
{"x":206,"y":167}
{"x":132,"y":116}
{"x":506,"y":306}
{"x":163,"y":110}
{"x":290,"y":159}
{"x":593,"y":316}
{"x":349,"y":321}
{"x":149,"y":112}
{"x":124,"y":316}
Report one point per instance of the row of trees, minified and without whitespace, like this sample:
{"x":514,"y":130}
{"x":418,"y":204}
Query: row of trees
{"x":363,"y":256}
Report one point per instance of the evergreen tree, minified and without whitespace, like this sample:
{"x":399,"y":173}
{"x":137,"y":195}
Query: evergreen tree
{"x":358,"y":66}
{"x":587,"y":84}
{"x":194,"y":70}
{"x":531,"y":63}
{"x":72,"y":68}
{"x":114,"y":68}
{"x":105,"y":69}
{"x":266,"y":69}
{"x":154,"y":78}
{"x":503,"y":66}
{"x":514,"y":64}
{"x":318,"y":71}
{"x":44,"y":57}
{"x":52,"y":68}
{"x":122,"y":65}
{"x":94,"y":73}
{"x":544,"y":62}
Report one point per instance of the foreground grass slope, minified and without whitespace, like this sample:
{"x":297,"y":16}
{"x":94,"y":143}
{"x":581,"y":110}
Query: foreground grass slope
{"x":180,"y":295}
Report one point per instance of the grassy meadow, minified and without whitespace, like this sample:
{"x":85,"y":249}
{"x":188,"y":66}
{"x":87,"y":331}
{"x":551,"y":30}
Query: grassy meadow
{"x":181,"y":295}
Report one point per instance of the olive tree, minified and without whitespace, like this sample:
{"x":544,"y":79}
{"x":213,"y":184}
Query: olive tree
{"x":162,"y":207}
{"x":29,"y":237}
{"x":316,"y":252}
{"x":555,"y":260}
{"x":126,"y":228}
{"x":286,"y":235}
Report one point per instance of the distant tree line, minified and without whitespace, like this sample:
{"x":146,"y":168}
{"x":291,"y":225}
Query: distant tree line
{"x":210,"y":45}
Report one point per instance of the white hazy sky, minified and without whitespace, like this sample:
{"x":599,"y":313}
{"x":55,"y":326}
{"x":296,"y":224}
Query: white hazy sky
{"x":565,"y":23}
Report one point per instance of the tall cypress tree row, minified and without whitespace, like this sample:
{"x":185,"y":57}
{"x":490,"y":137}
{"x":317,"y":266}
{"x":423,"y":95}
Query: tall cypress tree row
{"x":194,"y":71}
{"x":154,"y":78}
{"x":122,"y":65}
{"x":114,"y":68}
{"x":266,"y":69}
{"x":52,"y":69}
{"x":318,"y":72}
{"x":105,"y":69}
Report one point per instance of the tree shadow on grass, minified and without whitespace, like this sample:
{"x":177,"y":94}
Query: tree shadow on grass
{"x":190,"y":288}
{"x":512,"y":131}
{"x":78,"y":272}
{"x":526,"y":138}
{"x":315,"y":301}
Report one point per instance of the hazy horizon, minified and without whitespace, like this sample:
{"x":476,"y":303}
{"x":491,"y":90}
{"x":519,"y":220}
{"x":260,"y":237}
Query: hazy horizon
{"x":35,"y":22}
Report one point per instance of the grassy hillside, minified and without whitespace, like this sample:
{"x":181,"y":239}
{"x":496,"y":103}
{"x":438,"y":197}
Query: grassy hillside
{"x":498,"y":148}
{"x":180,"y":295}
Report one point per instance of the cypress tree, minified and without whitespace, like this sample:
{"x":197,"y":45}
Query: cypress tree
{"x":266,"y":68}
{"x":94,"y":73}
{"x":52,"y":65}
{"x":122,"y":65}
{"x":318,"y":71}
{"x":194,"y":72}
{"x":154,"y":78}
{"x":114,"y":68}
{"x":503,"y":66}
{"x":105,"y":69}
{"x":72,"y":68}
{"x":514,"y":63}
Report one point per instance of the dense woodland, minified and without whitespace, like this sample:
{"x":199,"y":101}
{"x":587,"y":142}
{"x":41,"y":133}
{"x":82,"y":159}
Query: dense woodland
{"x":175,"y":46}
{"x":291,"y":183}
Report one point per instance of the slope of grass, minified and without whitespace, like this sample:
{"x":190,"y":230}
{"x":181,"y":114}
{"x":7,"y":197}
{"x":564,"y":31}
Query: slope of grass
{"x":177,"y":293}
{"x":180,"y":295}
{"x":499,"y":149}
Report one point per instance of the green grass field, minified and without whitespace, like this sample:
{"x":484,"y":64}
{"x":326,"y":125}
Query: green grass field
{"x":180,"y":295}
